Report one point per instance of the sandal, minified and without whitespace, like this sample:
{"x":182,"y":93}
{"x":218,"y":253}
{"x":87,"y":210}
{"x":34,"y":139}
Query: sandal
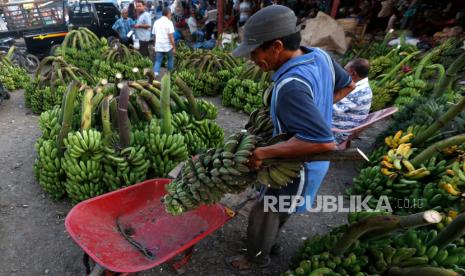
{"x":241,"y":263}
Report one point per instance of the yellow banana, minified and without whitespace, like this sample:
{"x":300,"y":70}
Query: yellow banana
{"x":406,"y":138}
{"x":408,"y":165}
{"x":387,"y":164}
{"x":397,"y":136}
{"x":450,"y":189}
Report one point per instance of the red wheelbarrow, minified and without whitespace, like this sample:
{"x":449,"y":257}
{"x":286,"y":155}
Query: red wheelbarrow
{"x":128,"y":230}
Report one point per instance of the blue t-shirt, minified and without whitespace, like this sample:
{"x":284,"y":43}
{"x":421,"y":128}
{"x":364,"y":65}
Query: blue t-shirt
{"x":301,"y":106}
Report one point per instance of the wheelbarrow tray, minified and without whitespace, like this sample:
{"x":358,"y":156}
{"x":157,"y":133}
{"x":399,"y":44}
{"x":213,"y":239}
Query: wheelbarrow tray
{"x":93,"y":226}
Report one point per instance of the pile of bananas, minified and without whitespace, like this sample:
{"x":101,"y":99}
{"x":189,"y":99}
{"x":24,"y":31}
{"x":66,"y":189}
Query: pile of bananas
{"x":396,"y":162}
{"x":165,"y":151}
{"x":207,"y":109}
{"x":82,"y":164}
{"x":383,"y":95}
{"x":47,"y":165}
{"x":202,"y":84}
{"x":125,"y":167}
{"x":244,"y":94}
{"x":414,"y":251}
{"x":411,"y":88}
{"x":11,"y":76}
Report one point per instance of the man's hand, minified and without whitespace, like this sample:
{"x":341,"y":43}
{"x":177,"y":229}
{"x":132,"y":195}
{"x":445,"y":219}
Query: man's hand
{"x":255,"y":162}
{"x":341,"y":93}
{"x":174,"y":50}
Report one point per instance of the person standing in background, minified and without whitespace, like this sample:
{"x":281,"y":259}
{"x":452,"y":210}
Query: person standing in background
{"x":245,"y":11}
{"x":142,"y":28}
{"x":385,"y":13}
{"x":123,"y":25}
{"x":210,"y":19}
{"x":197,"y":35}
{"x":163,"y":29}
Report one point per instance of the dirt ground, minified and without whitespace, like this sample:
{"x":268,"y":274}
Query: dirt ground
{"x":33,"y":239}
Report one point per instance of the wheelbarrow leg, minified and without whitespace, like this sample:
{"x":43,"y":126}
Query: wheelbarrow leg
{"x":178,"y":265}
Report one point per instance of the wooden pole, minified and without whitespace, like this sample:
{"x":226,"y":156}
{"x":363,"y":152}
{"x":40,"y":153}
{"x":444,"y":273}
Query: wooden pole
{"x":334,"y":8}
{"x":220,"y":8}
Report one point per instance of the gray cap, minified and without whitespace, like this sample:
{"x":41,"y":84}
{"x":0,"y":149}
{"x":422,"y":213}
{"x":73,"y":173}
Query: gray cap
{"x":269,"y":23}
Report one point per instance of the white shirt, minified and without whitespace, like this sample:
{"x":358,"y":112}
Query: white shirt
{"x":192,"y":23}
{"x":245,"y":9}
{"x":162,"y":28}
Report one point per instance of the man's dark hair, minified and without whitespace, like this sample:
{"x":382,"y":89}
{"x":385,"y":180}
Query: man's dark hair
{"x":361,"y":66}
{"x":166,"y":11}
{"x":290,"y":42}
{"x":141,"y":1}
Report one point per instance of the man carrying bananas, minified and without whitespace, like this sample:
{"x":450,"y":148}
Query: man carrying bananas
{"x":306,"y":83}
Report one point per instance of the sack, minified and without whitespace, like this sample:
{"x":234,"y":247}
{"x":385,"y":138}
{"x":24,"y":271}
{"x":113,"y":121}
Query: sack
{"x":324,"y":32}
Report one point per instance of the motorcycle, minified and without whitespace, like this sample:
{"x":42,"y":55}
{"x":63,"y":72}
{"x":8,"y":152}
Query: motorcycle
{"x":19,"y":57}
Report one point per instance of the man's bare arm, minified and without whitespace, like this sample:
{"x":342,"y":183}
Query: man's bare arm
{"x":341,"y":93}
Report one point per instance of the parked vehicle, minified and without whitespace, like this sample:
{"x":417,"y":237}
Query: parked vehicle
{"x":44,"y":24}
{"x":19,"y":55}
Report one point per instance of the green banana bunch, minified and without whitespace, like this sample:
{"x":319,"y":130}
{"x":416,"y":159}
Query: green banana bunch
{"x":276,"y":175}
{"x":210,"y":133}
{"x":165,"y":151}
{"x":47,"y":168}
{"x":82,"y":163}
{"x":125,"y":167}
{"x":213,"y":174}
{"x":207,"y":109}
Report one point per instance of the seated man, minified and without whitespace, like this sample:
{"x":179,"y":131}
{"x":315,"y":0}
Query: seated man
{"x":352,"y":110}
{"x":197,"y":35}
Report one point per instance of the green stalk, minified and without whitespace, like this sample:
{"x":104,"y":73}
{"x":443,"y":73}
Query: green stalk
{"x":152,"y":101}
{"x":440,"y":122}
{"x":166,"y":126}
{"x":420,"y":271}
{"x":105,"y":112}
{"x":440,"y":69}
{"x":133,"y":117}
{"x":452,"y":232}
{"x":123,"y":119}
{"x":424,"y":61}
{"x":451,"y":74}
{"x":114,"y":112}
{"x":86,"y":109}
{"x":144,"y":107}
{"x":190,"y":97}
{"x":67,"y":114}
{"x":397,"y":67}
{"x":432,"y":150}
{"x":386,"y":223}
{"x":10,"y":52}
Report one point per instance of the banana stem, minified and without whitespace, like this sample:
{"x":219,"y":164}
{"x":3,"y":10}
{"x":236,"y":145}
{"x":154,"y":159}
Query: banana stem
{"x":190,"y":97}
{"x":424,"y":61}
{"x":106,"y":126}
{"x":452,"y":232}
{"x":144,"y":108}
{"x":440,"y":123}
{"x":86,"y":109}
{"x":166,"y":126}
{"x":420,"y":271}
{"x":451,"y":73}
{"x":397,"y":67}
{"x":152,"y":101}
{"x":123,"y":119}
{"x":440,"y":69}
{"x":435,"y":148}
{"x":67,"y":114}
{"x":114,"y":112}
{"x":10,"y":52}
{"x":386,"y":223}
